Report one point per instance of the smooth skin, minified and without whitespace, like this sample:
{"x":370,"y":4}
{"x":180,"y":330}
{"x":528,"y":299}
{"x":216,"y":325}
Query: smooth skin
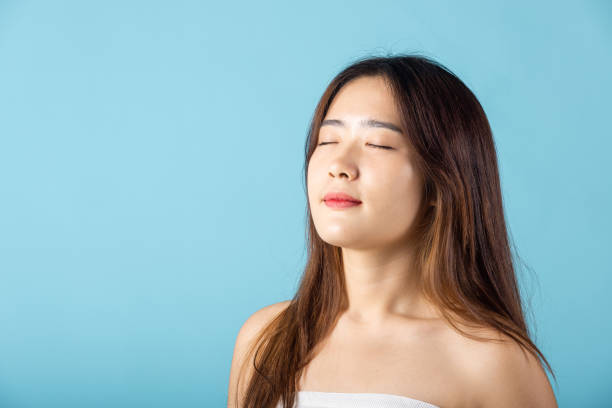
{"x":390,"y":340}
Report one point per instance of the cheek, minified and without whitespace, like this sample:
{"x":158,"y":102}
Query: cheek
{"x":316,"y":168}
{"x":313,"y":181}
{"x":395,"y":190}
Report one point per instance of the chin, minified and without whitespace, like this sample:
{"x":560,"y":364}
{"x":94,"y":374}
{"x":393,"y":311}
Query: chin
{"x":343,"y":240}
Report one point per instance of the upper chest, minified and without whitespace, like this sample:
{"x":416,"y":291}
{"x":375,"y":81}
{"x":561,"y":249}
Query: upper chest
{"x":424,"y":363}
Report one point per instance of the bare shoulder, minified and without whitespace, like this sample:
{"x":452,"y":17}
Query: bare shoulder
{"x":503,"y":374}
{"x":259,"y":319}
{"x":247,"y":334}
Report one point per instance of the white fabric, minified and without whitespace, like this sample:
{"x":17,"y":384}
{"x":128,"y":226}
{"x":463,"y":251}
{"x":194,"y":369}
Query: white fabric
{"x":318,"y":399}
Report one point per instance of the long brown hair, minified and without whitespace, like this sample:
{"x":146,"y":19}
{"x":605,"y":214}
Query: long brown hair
{"x":463,"y":253}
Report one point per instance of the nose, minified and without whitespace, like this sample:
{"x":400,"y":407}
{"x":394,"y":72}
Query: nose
{"x":343,"y":166}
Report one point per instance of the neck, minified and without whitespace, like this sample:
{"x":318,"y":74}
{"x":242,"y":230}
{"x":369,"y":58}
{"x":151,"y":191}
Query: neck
{"x":381,"y":285}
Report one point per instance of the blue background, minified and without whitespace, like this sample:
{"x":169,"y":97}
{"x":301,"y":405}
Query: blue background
{"x":151,"y":193}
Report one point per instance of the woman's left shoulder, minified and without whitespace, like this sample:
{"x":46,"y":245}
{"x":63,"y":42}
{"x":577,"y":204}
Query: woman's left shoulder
{"x":504,"y":374}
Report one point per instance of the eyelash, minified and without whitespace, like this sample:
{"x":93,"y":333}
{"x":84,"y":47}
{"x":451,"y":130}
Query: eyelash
{"x":377,"y":146}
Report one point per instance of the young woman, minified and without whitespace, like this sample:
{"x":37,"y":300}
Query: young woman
{"x":409,"y":296}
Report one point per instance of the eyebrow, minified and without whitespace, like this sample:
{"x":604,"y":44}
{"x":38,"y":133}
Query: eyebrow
{"x":364,"y":123}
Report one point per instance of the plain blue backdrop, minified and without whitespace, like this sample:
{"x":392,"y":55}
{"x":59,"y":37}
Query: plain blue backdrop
{"x":151,"y":187}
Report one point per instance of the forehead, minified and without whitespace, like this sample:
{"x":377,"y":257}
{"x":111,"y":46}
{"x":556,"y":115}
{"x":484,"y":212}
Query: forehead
{"x":366,"y":96}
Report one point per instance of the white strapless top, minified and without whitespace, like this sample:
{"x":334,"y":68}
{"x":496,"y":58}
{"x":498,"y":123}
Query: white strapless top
{"x":319,"y":399}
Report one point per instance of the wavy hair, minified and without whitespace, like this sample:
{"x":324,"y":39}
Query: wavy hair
{"x":463,"y":250}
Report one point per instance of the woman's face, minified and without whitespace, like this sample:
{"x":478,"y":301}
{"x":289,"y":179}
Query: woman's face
{"x":384,"y":180}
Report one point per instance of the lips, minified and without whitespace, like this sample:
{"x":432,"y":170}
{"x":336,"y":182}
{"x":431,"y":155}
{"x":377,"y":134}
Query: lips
{"x":340,"y":196}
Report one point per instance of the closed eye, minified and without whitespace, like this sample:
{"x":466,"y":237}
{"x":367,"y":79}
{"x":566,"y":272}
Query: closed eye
{"x":370,"y":144}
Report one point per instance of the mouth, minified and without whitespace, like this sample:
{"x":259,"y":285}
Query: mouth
{"x":333,"y":203}
{"x":340,"y":196}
